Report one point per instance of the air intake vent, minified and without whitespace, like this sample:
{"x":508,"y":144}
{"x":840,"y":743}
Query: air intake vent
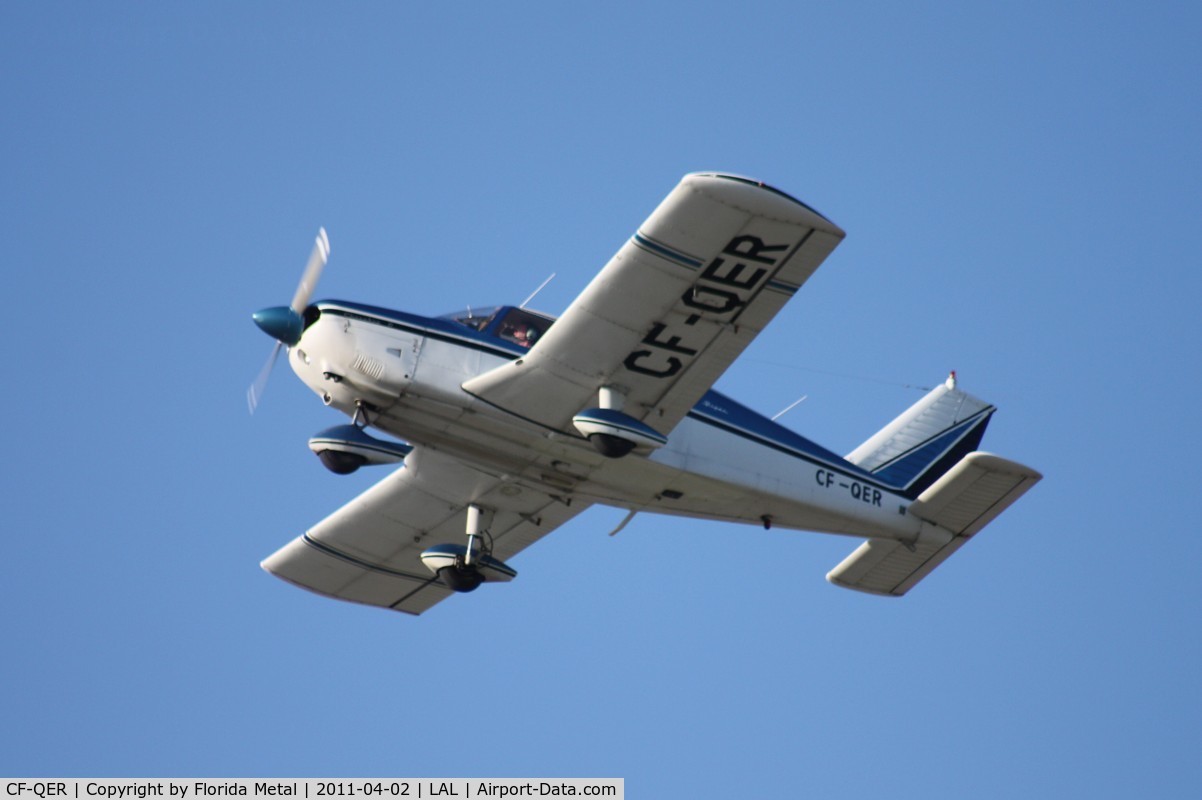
{"x":368,"y":366}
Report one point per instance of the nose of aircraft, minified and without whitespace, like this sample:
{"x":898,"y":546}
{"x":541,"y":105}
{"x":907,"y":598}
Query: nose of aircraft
{"x":285,"y":324}
{"x":280,"y":323}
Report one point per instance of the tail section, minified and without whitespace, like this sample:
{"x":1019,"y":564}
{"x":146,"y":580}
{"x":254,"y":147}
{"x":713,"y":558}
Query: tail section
{"x":930,"y":454}
{"x":927,"y":440}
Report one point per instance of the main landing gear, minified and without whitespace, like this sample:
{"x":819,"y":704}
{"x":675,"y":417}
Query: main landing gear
{"x":345,"y":448}
{"x":464,"y":568}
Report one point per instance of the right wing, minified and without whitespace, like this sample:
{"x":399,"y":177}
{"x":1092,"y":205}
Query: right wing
{"x":369,"y":551}
{"x":710,"y":267}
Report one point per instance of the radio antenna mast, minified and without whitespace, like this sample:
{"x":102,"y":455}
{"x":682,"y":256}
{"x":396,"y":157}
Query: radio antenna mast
{"x":536,"y":291}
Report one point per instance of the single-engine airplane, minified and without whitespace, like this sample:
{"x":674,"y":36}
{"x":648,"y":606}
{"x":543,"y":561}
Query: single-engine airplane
{"x":512,"y":422}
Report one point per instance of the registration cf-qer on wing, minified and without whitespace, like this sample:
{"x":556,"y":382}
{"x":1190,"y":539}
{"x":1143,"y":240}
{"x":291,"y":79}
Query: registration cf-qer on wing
{"x":507,"y":423}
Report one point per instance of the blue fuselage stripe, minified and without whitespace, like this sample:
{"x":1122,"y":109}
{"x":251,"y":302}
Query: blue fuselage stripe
{"x":442,"y":330}
{"x":837,"y":465}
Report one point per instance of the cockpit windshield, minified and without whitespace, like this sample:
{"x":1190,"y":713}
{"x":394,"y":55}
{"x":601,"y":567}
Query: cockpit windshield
{"x":475,"y":318}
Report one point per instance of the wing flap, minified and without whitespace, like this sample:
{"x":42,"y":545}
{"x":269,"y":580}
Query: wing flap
{"x":956,"y":507}
{"x":369,"y":551}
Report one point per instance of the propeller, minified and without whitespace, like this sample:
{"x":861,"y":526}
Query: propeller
{"x":285,"y":324}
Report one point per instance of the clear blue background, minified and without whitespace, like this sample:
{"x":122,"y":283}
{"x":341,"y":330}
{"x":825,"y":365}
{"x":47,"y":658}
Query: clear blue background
{"x":1020,"y":184}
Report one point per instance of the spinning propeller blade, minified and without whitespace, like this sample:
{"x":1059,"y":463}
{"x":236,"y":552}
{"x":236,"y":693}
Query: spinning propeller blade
{"x":255,"y":392}
{"x":285,"y":324}
{"x":317,"y":262}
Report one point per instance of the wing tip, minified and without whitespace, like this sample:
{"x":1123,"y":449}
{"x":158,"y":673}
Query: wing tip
{"x":723,"y":178}
{"x":834,"y":580}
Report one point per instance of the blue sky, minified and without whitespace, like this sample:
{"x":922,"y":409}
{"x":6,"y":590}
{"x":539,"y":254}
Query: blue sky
{"x":1020,"y":186}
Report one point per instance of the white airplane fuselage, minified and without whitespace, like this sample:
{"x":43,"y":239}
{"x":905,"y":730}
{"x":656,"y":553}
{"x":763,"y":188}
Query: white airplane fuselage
{"x":722,"y":461}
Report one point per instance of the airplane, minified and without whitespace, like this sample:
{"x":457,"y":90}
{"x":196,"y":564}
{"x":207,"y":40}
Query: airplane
{"x":507,"y":423}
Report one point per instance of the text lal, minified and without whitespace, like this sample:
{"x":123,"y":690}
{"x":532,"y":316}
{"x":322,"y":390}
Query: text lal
{"x":544,"y":789}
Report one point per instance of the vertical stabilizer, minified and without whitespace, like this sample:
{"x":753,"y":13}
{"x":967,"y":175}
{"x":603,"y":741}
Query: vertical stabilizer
{"x":927,"y":440}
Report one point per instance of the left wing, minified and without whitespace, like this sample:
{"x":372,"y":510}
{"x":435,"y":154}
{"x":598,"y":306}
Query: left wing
{"x":678,"y":303}
{"x":369,"y":550}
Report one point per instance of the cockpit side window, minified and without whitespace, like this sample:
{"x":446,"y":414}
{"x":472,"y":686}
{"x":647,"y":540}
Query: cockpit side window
{"x":522,"y":328}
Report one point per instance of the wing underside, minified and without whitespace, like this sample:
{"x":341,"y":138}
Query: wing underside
{"x":369,"y":550}
{"x":674,"y":307}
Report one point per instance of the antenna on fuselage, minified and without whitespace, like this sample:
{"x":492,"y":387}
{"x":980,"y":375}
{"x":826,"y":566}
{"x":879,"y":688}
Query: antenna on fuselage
{"x":536,"y":291}
{"x":790,"y":407}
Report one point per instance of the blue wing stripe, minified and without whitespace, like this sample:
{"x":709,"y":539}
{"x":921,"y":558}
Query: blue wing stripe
{"x":358,"y":562}
{"x":662,"y":250}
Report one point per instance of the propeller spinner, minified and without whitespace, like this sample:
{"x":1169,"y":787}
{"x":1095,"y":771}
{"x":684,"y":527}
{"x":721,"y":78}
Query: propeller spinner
{"x":285,"y":324}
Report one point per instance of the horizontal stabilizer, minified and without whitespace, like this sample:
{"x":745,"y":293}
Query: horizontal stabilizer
{"x":958,"y":505}
{"x":969,"y":495}
{"x":888,"y":567}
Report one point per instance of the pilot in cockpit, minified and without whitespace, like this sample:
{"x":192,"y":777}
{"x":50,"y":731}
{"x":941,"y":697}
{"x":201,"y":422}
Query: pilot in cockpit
{"x":524,"y":334}
{"x":521,"y":327}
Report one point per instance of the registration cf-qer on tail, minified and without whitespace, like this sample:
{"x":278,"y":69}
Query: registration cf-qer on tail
{"x":507,"y":423}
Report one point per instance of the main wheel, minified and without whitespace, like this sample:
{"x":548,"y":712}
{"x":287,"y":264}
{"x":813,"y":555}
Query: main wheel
{"x":461,"y":579}
{"x":341,"y":462}
{"x":611,"y":446}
